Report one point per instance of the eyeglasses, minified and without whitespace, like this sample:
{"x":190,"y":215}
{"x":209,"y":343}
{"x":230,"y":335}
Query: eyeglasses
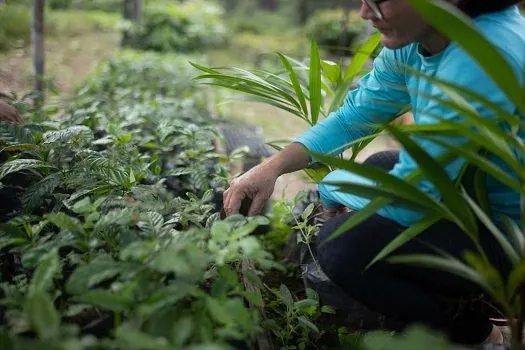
{"x":374,"y":6}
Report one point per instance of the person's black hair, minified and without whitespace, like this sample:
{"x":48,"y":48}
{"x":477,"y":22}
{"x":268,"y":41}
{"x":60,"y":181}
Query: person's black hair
{"x":475,"y":8}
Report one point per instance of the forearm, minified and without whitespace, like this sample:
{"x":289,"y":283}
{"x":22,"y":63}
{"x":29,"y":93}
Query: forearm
{"x":292,"y":158}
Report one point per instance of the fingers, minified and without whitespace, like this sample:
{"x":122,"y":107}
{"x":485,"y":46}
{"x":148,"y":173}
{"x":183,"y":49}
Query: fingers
{"x":258,"y":204}
{"x":232,"y":201}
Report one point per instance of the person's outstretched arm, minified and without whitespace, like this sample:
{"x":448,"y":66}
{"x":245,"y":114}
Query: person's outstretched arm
{"x":380,"y":96}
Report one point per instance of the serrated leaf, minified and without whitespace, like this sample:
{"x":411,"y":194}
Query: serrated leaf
{"x":42,"y":315}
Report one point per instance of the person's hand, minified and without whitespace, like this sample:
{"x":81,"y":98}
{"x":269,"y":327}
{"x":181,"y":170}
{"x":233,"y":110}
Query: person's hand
{"x":8,"y":113}
{"x":257,"y":184}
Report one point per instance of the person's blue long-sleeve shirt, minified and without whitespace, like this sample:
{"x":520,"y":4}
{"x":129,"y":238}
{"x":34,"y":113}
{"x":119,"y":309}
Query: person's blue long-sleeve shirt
{"x":389,"y":87}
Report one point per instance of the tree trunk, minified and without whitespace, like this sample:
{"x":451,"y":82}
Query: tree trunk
{"x":132,"y":10}
{"x":138,"y":10}
{"x":303,"y":11}
{"x":127,"y":14}
{"x":37,"y":34}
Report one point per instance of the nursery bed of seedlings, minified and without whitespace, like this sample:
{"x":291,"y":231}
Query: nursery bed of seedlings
{"x":110,"y":232}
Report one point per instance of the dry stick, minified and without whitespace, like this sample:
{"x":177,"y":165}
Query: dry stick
{"x":264,"y":339}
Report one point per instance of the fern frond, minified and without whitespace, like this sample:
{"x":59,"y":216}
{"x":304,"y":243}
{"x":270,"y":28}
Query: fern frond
{"x":79,"y":134}
{"x":12,"y":133}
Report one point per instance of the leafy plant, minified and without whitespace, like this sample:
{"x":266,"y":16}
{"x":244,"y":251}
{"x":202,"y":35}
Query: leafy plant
{"x":182,"y":27}
{"x":294,"y":326}
{"x":104,"y":250}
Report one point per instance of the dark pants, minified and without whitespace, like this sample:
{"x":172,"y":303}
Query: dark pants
{"x":406,"y":292}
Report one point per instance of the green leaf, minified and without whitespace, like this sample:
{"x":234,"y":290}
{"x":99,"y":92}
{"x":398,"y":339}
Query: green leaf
{"x":404,"y":237}
{"x":36,"y":194}
{"x":165,"y":297}
{"x":253,"y":298}
{"x":491,"y":226}
{"x":401,"y":189}
{"x":251,"y":276}
{"x":327,"y":309}
{"x":516,"y":280}
{"x":20,"y":147}
{"x":42,"y":315}
{"x":132,"y":338}
{"x":65,"y":222}
{"x":286,"y":296}
{"x":362,"y":55}
{"x":107,"y":300}
{"x":457,"y":26}
{"x":15,"y":133}
{"x":87,"y":276}
{"x":306,"y":303}
{"x":447,"y":264}
{"x":361,"y":215}
{"x":182,"y":331}
{"x":435,"y":172}
{"x":312,"y":294}
{"x":295,"y":82}
{"x":516,"y":236}
{"x":219,"y":311}
{"x":306,"y":322}
{"x":151,"y":222}
{"x":308,"y":211}
{"x":475,"y":158}
{"x":21,"y":164}
{"x":48,"y":268}
{"x":315,"y":83}
{"x":332,"y":71}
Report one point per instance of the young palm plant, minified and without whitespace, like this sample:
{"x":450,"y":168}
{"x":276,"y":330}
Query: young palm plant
{"x":460,"y":203}
{"x":307,"y":91}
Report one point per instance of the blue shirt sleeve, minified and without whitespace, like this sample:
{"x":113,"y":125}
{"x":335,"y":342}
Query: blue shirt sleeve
{"x":379,"y":96}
